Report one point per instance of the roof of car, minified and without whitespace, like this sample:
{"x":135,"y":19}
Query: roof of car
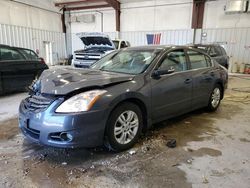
{"x":160,"y":47}
{"x":23,"y":48}
{"x":203,"y":45}
{"x":4,"y":45}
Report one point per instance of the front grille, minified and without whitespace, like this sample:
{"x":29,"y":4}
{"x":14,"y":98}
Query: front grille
{"x":82,"y":66}
{"x":37,"y":103}
{"x":89,"y":59}
{"x":87,"y":54}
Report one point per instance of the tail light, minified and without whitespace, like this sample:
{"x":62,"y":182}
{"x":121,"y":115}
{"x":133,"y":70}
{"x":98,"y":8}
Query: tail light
{"x":42,"y":60}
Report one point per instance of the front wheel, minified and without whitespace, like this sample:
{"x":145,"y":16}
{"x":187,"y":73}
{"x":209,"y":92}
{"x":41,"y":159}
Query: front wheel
{"x":123,"y":127}
{"x":215,"y":98}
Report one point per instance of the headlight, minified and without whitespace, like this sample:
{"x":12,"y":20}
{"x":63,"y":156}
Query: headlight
{"x":81,"y":102}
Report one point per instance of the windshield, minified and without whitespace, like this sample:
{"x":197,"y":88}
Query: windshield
{"x":116,"y":43}
{"x":129,"y":61}
{"x":96,"y":41}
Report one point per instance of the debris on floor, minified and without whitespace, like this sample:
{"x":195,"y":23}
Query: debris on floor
{"x":64,"y":163}
{"x":189,"y":161}
{"x":171,"y":143}
{"x":132,"y":152}
{"x":205,"y":180}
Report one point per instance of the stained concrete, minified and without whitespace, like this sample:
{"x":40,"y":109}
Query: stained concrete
{"x":213,"y":150}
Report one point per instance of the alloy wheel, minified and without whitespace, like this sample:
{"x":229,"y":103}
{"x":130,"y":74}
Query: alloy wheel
{"x":126,"y":127}
{"x":216,"y":97}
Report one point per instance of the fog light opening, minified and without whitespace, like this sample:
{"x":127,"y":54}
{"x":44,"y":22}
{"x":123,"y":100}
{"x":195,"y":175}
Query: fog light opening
{"x":66,"y":136}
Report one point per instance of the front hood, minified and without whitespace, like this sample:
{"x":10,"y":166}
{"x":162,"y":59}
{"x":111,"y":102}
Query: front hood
{"x":96,"y":40}
{"x":62,"y":81}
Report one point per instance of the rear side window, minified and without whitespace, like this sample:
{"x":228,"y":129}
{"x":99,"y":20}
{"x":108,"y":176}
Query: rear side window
{"x":174,"y":60}
{"x":29,"y":54}
{"x":7,"y":54}
{"x":215,"y":51}
{"x":123,"y":44}
{"x":223,"y":50}
{"x":197,"y":60}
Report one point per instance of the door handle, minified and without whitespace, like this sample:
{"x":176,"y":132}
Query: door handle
{"x":188,"y":80}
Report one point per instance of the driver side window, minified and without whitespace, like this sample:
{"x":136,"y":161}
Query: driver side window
{"x":175,"y":60}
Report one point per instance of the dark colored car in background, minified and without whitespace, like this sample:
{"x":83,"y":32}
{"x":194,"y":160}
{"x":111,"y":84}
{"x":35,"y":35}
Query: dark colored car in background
{"x":18,"y":68}
{"x":216,"y":51}
{"x":120,"y":96}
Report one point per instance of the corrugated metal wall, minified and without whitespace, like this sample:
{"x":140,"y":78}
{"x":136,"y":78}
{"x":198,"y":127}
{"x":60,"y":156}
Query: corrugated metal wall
{"x":34,"y":39}
{"x":177,"y":37}
{"x":235,"y":40}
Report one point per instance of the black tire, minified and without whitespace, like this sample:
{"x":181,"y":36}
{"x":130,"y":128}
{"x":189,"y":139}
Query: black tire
{"x":211,"y":106}
{"x":110,"y":140}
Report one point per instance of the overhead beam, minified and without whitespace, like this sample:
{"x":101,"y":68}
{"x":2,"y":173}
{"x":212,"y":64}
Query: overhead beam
{"x":87,"y":7}
{"x":114,"y":3}
{"x":77,"y":2}
{"x":118,"y":20}
{"x":198,"y":13}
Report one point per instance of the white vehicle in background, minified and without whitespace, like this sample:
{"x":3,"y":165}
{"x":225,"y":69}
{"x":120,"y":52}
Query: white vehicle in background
{"x":96,"y":45}
{"x":119,"y":44}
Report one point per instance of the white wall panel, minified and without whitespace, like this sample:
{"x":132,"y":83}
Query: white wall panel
{"x":13,"y":13}
{"x":107,"y":22}
{"x":215,"y":17}
{"x":156,"y":15}
{"x":235,"y":40}
{"x":33,"y":39}
{"x":175,"y":37}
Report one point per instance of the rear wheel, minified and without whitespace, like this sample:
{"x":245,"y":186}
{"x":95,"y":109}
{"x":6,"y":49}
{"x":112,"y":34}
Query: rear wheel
{"x":123,"y":127}
{"x":215,"y":98}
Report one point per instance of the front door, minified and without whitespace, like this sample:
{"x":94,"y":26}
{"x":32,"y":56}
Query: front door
{"x":171,"y":93}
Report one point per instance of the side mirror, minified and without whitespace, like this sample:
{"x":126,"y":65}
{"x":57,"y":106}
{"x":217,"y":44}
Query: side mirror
{"x":158,"y":73}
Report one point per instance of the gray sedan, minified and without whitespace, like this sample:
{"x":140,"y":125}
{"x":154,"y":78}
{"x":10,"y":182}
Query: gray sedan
{"x":120,"y":96}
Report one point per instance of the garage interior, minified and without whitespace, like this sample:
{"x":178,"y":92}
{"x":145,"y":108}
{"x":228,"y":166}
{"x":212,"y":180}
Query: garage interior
{"x":212,"y":149}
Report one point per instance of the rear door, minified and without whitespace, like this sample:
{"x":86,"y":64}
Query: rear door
{"x":33,"y":60}
{"x":203,"y":77}
{"x":16,"y":73}
{"x":171,"y":93}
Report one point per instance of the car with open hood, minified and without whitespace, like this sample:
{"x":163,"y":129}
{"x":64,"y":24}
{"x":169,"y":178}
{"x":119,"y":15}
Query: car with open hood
{"x":120,"y":96}
{"x":96,"y":45}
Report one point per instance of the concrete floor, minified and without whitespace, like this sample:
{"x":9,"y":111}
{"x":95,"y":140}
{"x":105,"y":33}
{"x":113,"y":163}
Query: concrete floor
{"x":213,"y":150}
